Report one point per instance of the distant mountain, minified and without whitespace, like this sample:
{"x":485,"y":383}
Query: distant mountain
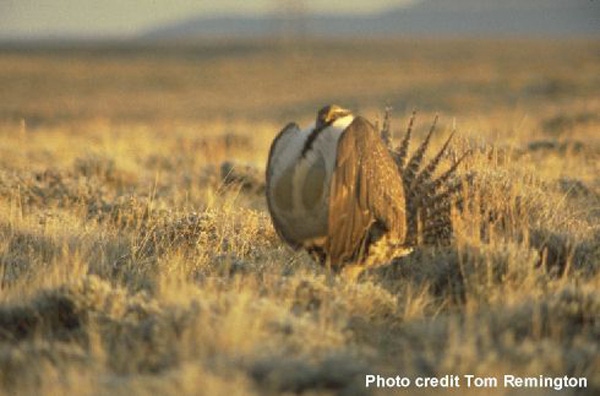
{"x":538,"y":18}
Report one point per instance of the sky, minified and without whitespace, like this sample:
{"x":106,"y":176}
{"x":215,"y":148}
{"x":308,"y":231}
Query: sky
{"x":106,"y":18}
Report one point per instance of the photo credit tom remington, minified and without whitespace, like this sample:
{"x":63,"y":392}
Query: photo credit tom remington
{"x":507,"y":381}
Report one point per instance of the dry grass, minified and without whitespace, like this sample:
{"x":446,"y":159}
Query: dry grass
{"x":137,"y":256}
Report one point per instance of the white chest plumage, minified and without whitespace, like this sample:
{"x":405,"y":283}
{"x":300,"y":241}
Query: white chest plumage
{"x":300,"y":180}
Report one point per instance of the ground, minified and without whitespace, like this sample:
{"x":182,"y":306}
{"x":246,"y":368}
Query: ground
{"x":137,"y":255}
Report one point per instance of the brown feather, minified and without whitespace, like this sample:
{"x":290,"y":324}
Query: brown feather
{"x":366,"y":193}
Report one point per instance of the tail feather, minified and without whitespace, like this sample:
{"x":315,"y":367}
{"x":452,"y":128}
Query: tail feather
{"x":386,"y":134}
{"x":402,"y":151}
{"x":449,"y":191}
{"x":428,"y":198}
{"x":427,"y":173}
{"x":445,"y":178}
{"x":438,"y":209}
{"x":412,"y":168}
{"x":439,"y":231}
{"x":437,"y":226}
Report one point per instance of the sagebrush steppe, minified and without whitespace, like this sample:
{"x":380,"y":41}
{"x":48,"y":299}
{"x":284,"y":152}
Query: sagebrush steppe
{"x":137,"y":256}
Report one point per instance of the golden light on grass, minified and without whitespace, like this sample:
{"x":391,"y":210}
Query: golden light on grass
{"x":137,"y":256}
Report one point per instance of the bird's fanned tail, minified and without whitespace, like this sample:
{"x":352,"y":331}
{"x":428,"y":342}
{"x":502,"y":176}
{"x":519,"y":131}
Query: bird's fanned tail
{"x":429,"y":197}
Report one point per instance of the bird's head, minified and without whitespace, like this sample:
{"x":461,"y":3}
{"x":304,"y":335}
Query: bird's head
{"x":328,"y":114}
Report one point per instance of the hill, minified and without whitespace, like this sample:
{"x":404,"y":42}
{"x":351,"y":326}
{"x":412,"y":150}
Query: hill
{"x":538,"y":18}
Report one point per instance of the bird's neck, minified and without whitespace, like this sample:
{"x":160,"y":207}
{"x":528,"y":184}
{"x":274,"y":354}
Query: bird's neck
{"x":340,"y":123}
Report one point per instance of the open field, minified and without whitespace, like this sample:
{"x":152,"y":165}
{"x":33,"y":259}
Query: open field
{"x":134,"y":260}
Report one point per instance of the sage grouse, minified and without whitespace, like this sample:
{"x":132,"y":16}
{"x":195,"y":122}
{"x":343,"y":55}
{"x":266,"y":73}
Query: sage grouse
{"x":339,"y":190}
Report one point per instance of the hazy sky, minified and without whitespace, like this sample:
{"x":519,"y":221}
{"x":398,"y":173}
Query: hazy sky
{"x":26,"y":18}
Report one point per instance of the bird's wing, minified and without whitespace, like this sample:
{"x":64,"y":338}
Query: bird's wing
{"x":365,"y":188}
{"x":275,"y":152}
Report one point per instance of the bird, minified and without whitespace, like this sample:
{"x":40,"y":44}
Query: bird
{"x":340,"y":191}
